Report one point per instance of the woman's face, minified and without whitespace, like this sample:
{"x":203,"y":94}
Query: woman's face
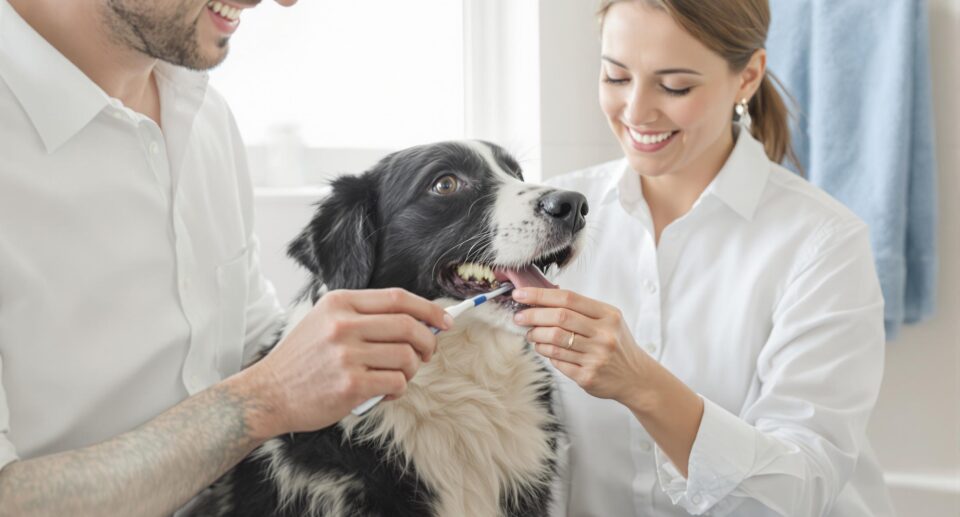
{"x":668,"y":99}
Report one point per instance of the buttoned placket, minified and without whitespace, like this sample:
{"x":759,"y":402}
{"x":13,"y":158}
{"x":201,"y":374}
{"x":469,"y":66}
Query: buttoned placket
{"x":198,"y":371}
{"x":646,"y":325}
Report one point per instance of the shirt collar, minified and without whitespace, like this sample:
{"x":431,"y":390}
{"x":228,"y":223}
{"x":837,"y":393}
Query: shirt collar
{"x":58,"y":97}
{"x":742,"y":179}
{"x":739,"y":184}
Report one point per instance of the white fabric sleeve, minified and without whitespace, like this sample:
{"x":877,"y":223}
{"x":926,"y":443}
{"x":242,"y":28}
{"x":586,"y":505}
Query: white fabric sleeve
{"x":264,"y":314}
{"x":8,"y":453}
{"x":795,"y":443}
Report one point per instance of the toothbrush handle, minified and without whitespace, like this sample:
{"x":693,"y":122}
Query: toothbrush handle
{"x":371,"y":402}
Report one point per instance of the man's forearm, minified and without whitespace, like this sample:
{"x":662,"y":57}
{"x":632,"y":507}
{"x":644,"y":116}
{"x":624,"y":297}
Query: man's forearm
{"x":152,"y":470}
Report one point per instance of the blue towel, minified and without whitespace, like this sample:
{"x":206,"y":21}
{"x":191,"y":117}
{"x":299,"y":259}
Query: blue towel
{"x":859,"y":71}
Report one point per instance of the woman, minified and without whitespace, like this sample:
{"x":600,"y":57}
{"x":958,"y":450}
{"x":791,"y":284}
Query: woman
{"x":737,"y":352}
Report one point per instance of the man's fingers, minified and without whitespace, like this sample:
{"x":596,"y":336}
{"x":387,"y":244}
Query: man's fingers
{"x":398,"y":328}
{"x":391,"y":383}
{"x":397,"y":301}
{"x":391,"y":356}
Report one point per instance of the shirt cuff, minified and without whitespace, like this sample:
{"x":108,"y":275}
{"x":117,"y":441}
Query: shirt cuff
{"x":722,"y":455}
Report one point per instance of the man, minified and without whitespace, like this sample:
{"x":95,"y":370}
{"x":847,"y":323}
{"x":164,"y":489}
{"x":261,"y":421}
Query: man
{"x":129,"y":278}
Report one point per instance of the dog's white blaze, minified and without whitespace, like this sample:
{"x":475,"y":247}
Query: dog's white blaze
{"x":326,"y":494}
{"x":469,"y":421}
{"x":517,"y":228}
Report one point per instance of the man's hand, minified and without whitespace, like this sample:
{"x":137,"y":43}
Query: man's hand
{"x":353,"y":345}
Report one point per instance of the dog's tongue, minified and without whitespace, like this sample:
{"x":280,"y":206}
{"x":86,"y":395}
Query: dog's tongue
{"x":529,"y":276}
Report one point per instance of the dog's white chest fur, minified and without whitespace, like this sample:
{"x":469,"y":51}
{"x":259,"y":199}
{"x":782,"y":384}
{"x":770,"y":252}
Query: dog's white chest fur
{"x":470,"y":422}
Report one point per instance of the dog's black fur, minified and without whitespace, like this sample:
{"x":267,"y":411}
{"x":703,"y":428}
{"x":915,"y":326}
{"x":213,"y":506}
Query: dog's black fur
{"x":389,"y":227}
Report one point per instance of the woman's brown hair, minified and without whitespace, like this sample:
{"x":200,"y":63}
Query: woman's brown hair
{"x":735,"y":30}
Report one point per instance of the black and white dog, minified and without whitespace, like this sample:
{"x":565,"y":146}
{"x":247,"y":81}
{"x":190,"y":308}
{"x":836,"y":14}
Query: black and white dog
{"x":475,"y":435}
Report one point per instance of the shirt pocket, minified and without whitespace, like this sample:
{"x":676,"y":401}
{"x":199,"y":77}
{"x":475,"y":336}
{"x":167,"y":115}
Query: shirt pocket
{"x":232,"y":313}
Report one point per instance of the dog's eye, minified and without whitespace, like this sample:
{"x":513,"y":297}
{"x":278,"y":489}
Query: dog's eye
{"x":446,"y":185}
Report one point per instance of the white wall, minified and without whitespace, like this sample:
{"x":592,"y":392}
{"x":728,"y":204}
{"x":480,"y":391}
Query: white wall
{"x":574,"y":134}
{"x":916,"y":426}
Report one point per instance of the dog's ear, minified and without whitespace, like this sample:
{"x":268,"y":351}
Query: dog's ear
{"x":339,"y":245}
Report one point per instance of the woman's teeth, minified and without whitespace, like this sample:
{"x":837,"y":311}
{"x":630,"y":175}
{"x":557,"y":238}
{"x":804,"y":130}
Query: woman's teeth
{"x":230,"y":13}
{"x":649,"y":138}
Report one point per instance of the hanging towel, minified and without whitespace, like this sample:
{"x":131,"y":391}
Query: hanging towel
{"x":859,"y":71}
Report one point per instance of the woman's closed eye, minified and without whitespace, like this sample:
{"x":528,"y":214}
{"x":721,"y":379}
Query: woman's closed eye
{"x":676,"y":91}
{"x":615,"y":80}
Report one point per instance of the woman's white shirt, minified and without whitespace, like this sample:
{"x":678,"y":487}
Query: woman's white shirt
{"x":763,"y":299}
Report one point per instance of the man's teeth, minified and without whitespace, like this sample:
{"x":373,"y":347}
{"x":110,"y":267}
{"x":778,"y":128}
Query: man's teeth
{"x":230,"y":13}
{"x":470,"y":271}
{"x":648,"y":138}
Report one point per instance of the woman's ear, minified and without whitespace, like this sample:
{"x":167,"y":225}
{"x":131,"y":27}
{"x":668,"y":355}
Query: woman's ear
{"x":752,"y":75}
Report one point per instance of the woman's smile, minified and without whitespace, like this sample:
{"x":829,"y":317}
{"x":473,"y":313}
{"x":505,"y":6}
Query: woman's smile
{"x":650,"y":141}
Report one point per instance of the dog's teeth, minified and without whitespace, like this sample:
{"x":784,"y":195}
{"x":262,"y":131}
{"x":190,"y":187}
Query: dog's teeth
{"x":479,"y":272}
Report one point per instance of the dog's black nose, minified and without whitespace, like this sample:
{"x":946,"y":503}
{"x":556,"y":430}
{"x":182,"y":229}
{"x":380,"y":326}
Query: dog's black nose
{"x":568,"y":208}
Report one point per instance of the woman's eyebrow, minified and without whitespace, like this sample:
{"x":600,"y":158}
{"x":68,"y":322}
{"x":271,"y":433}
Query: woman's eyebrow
{"x":665,"y":71}
{"x":613,"y":61}
{"x":668,"y":71}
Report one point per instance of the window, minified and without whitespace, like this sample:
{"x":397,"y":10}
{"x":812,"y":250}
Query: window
{"x":324,"y":88}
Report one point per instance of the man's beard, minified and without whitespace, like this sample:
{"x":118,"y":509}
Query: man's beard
{"x":168,"y":36}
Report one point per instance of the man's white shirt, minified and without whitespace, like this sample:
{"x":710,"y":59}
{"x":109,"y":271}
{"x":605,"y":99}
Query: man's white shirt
{"x":763,"y":299}
{"x":129,"y":275}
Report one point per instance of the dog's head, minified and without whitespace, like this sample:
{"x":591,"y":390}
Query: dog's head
{"x":447,"y":220}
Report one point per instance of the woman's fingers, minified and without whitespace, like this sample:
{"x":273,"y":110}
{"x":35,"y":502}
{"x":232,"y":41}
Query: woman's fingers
{"x":570,"y":370}
{"x":561,"y":298}
{"x":558,"y":336}
{"x":556,"y":353}
{"x":565,"y":319}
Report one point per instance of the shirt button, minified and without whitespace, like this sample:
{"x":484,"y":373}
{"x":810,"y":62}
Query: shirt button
{"x":650,"y":286}
{"x":696,"y":499}
{"x":651,"y":348}
{"x":645,"y":446}
{"x":154,"y":148}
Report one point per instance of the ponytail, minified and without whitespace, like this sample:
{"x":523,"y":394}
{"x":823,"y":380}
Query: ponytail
{"x":770,"y":124}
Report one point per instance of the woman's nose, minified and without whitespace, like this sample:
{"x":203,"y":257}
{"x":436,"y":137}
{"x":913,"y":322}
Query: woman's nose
{"x":639,"y":108}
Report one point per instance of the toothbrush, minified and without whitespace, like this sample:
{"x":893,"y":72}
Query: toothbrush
{"x":453,"y":311}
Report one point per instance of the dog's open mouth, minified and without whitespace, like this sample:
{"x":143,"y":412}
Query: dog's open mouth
{"x":465,"y":279}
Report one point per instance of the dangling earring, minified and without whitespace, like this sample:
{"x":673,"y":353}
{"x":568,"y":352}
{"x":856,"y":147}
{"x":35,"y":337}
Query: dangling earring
{"x":742,"y":110}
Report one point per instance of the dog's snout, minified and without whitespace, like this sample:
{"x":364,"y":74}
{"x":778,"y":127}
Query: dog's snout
{"x":567,"y":208}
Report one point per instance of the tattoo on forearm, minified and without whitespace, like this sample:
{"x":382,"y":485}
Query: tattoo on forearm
{"x":151,"y":470}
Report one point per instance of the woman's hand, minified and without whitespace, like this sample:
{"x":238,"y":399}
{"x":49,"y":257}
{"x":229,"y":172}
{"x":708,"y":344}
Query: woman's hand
{"x":604,"y":360}
{"x":587,"y":341}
